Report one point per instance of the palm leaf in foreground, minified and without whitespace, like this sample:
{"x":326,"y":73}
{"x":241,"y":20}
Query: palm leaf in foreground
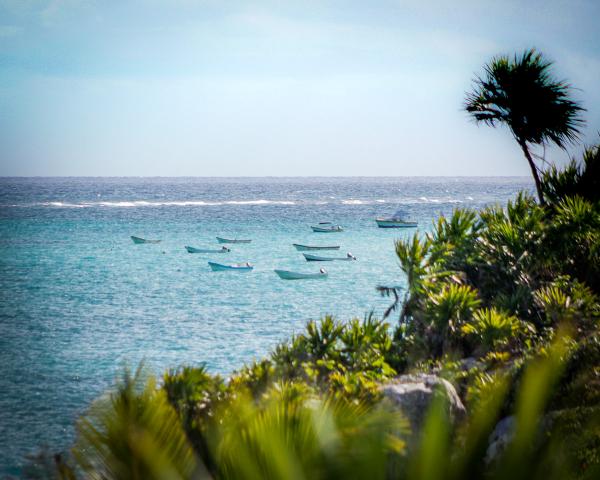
{"x":133,"y":433}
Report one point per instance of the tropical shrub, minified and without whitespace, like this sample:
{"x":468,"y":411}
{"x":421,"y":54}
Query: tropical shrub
{"x":133,"y":432}
{"x":491,"y":329}
{"x":443,"y":315}
{"x":574,"y":239}
{"x":292,"y":431}
{"x":578,"y":178}
{"x":291,"y":435}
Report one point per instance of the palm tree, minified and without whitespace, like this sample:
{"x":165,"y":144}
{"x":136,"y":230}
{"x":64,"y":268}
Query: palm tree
{"x":522,"y":94}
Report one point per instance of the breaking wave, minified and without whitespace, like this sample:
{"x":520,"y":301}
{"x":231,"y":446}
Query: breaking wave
{"x":258,"y":202}
{"x":145,"y":203}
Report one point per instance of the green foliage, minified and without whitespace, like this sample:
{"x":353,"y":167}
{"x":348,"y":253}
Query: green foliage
{"x":414,"y":262}
{"x":291,"y":431}
{"x":449,"y":308}
{"x":321,"y":338}
{"x":133,"y":433}
{"x":444,"y":314}
{"x":569,"y":301}
{"x":255,"y":377}
{"x":452,"y":240}
{"x":580,"y":386}
{"x":506,"y":248}
{"x":576,"y":179}
{"x":194,"y":394}
{"x":191,"y":390}
{"x":534,"y":394}
{"x":574,"y":238}
{"x":530,"y":267}
{"x":490,"y":329}
{"x":344,"y":360}
{"x":298,"y":437}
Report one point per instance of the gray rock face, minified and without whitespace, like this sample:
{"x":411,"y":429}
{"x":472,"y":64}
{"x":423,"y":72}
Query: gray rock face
{"x":413,"y":395}
{"x":505,"y":430}
{"x":500,"y":438}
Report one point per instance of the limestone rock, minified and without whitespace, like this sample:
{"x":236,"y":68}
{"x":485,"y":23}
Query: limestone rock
{"x":500,"y":438}
{"x":413,"y":395}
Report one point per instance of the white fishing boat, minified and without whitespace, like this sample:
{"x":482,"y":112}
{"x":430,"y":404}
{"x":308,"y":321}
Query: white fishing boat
{"x":231,"y":240}
{"x":207,"y":250}
{"x":327,"y":229}
{"x":236,"y":267}
{"x":287,"y":275}
{"x":306,"y":248}
{"x":316,"y":258}
{"x":139,"y":240}
{"x":398,"y":220}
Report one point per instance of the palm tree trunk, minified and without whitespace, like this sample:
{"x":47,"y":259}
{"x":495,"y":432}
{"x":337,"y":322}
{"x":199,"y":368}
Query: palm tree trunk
{"x":534,"y":171}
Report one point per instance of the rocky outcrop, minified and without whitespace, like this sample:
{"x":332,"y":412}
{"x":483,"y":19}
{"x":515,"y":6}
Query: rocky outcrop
{"x":505,"y":429}
{"x":413,"y":395}
{"x":500,"y":438}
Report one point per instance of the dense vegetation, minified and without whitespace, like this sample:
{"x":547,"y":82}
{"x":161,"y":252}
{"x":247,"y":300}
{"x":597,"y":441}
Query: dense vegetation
{"x":504,"y":303}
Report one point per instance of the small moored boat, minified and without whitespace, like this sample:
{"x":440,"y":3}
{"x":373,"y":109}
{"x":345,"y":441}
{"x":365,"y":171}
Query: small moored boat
{"x":326,"y":229}
{"x":397,"y":220}
{"x":315,"y":258}
{"x":139,"y":240}
{"x":394,"y":223}
{"x":305,"y":248}
{"x":287,"y":275}
{"x":207,"y":250}
{"x":231,"y":240}
{"x":236,"y":267}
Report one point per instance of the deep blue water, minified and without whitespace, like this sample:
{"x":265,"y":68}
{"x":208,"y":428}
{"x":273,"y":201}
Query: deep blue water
{"x":79,"y":300}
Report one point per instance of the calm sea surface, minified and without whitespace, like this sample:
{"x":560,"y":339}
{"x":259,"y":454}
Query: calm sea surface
{"x":78,"y":300}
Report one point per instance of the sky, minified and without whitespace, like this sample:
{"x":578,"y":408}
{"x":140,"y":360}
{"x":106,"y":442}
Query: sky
{"x":273,"y":88}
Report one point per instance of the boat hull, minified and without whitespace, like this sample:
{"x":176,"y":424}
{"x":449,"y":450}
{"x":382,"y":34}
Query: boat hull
{"x":139,"y":241}
{"x":317,"y":258}
{"x":306,"y":248}
{"x":205,"y":250}
{"x":287,"y":275}
{"x":231,"y":240}
{"x":335,"y":228}
{"x":390,"y":223}
{"x":219,"y":267}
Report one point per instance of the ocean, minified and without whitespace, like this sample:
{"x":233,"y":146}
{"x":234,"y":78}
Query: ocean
{"x":79,"y":301}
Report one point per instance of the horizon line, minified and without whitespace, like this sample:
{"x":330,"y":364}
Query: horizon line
{"x":263,"y":176}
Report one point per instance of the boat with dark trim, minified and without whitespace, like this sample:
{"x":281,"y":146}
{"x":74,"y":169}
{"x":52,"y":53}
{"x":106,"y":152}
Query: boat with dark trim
{"x":139,"y":240}
{"x":398,"y":220}
{"x":394,"y":223}
{"x":231,"y":240}
{"x":288,"y":275}
{"x":327,"y":229}
{"x":316,"y":258}
{"x":306,"y":248}
{"x":236,"y":267}
{"x":207,"y":250}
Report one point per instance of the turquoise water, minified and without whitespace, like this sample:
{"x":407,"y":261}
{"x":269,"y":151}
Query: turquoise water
{"x":79,"y":300}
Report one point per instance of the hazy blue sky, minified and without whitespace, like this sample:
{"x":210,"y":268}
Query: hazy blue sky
{"x":183,"y":87}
